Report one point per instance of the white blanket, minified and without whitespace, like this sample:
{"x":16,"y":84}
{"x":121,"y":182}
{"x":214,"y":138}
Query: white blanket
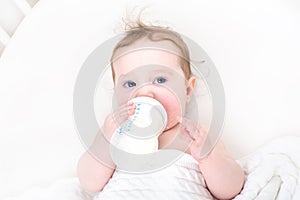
{"x":181,"y":180}
{"x":272,"y":173}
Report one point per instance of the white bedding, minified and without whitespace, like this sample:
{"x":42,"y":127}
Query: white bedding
{"x":272,"y":172}
{"x":181,"y":180}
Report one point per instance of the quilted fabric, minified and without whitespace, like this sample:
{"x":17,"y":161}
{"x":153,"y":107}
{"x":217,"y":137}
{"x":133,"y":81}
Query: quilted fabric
{"x":182,"y":180}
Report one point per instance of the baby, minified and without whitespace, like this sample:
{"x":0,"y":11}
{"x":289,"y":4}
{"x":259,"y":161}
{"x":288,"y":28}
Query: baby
{"x":165,"y":76}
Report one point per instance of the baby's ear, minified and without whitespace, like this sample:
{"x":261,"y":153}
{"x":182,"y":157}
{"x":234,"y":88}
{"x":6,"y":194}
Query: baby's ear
{"x":190,"y":87}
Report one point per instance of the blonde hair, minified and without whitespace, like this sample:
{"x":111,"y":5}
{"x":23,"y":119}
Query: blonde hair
{"x":135,"y":31}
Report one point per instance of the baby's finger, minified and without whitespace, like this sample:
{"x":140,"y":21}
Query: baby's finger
{"x":122,"y":113}
{"x":200,"y":136}
{"x":189,"y":126}
{"x":124,"y":107}
{"x":131,"y":108}
{"x":184,"y":135}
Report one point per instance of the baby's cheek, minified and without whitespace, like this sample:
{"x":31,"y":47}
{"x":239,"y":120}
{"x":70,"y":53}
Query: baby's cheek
{"x":172,"y":117}
{"x":173,"y":109}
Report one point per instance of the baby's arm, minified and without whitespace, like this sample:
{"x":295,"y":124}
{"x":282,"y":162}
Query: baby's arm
{"x":223,"y":176}
{"x":92,"y":173}
{"x":95,"y":167}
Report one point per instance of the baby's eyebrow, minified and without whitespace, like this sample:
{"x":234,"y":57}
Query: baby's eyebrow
{"x":163,"y":71}
{"x":127,"y":75}
{"x":170,"y":72}
{"x":121,"y":76}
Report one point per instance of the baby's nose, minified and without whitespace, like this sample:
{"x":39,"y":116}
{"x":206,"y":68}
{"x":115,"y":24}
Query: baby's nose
{"x":146,"y":90}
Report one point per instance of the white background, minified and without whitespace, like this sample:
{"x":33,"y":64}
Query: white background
{"x":255,"y":46}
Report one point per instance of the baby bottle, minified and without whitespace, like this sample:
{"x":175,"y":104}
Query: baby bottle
{"x":139,"y":134}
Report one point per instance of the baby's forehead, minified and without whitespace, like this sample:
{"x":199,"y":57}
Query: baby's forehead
{"x":145,"y":44}
{"x":145,"y":52}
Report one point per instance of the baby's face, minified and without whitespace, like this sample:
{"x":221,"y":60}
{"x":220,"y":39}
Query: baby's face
{"x":156,"y":74}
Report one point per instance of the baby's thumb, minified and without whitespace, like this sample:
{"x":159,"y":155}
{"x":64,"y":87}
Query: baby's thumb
{"x":123,"y":113}
{"x":188,"y":125}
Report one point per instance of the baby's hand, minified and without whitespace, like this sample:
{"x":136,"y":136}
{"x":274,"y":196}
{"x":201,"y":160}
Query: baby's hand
{"x":116,"y":118}
{"x":194,"y":134}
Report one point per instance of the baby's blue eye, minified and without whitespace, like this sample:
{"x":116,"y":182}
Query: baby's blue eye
{"x":129,"y":84}
{"x":160,"y":80}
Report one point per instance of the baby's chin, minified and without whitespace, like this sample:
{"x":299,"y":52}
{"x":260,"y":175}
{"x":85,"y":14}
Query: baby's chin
{"x":171,"y":125}
{"x":174,"y":115}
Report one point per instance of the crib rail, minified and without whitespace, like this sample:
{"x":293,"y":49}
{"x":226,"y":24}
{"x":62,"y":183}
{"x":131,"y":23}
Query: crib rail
{"x":4,"y":36}
{"x":23,"y":5}
{"x":18,"y":9}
